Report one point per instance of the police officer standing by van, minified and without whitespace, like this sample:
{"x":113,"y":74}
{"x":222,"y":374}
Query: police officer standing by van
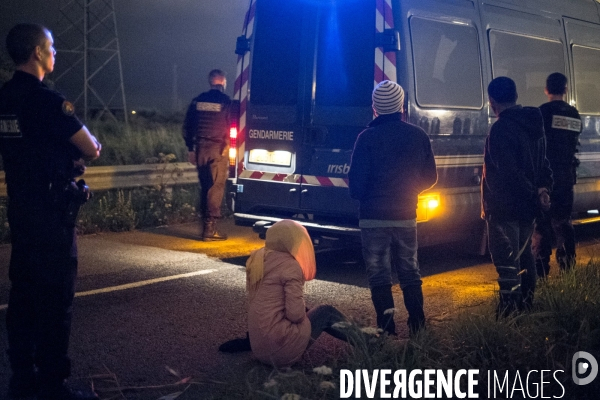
{"x":41,"y":142}
{"x":206,"y":134}
{"x":562,"y":125}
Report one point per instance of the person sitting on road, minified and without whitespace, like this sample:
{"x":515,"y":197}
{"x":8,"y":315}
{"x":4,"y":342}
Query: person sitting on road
{"x":280,"y":328}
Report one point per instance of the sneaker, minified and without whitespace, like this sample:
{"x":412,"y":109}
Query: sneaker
{"x":235,"y":346}
{"x":63,"y":392}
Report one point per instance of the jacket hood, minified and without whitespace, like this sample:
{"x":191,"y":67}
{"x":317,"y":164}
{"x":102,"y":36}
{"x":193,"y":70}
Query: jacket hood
{"x":285,"y":236}
{"x":530,"y":118}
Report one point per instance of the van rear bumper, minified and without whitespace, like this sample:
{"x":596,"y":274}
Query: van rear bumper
{"x":261,"y":223}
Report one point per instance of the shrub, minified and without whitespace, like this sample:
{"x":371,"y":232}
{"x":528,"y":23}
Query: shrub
{"x":141,"y":141}
{"x":125,"y":210}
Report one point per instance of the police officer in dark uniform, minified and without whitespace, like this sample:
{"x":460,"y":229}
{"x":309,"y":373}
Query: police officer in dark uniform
{"x":562,"y":124}
{"x":43,"y":146}
{"x":206,"y":133}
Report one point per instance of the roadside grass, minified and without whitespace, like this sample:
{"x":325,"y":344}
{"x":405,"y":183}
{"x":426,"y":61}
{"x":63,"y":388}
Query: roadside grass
{"x":141,"y":142}
{"x":565,"y":319}
{"x":126,"y":210}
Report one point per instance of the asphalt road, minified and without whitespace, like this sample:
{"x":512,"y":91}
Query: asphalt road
{"x":153,"y":306}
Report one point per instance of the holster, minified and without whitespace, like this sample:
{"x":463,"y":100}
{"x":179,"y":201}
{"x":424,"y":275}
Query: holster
{"x":69,"y":198}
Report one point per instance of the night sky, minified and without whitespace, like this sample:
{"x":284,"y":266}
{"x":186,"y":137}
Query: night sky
{"x":155,"y":35}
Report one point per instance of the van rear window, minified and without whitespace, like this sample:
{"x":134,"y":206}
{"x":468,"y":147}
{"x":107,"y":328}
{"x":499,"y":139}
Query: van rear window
{"x":346,"y":48}
{"x":587,"y":79}
{"x":276,"y":53}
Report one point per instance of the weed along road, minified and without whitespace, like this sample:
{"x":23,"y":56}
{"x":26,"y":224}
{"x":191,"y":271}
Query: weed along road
{"x":153,"y":306}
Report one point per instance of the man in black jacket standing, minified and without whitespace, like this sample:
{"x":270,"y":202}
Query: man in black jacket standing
{"x":206,"y":134}
{"x":391,"y":164}
{"x":562,"y":125}
{"x":516,"y":181}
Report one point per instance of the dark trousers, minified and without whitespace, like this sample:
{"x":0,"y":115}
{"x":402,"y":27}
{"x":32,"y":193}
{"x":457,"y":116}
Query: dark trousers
{"x":555,"y":228}
{"x":38,"y":322}
{"x":43,"y":268}
{"x":516,"y":272}
{"x":213,"y":169}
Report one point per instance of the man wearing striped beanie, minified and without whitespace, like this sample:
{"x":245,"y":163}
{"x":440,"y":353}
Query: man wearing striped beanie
{"x":391,"y":164}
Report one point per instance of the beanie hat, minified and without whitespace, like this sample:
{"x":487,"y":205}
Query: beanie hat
{"x":388,"y":98}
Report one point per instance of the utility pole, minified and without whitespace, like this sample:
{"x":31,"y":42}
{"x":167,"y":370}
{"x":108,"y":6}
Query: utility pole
{"x":89,"y":68}
{"x":175,"y":92}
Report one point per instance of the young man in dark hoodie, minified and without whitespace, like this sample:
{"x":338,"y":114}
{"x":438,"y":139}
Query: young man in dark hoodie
{"x":391,"y":164}
{"x":562,"y":125}
{"x":516,"y":182}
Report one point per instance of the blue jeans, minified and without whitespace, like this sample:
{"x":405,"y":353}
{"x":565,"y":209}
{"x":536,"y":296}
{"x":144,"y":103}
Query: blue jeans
{"x":516,"y":272}
{"x":384,"y":247}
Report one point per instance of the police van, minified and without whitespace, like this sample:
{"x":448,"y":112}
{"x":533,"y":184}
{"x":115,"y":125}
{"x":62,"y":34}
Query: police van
{"x":306,"y":70}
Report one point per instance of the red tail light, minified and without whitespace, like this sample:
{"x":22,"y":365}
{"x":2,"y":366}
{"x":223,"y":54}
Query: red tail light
{"x":232,"y":144}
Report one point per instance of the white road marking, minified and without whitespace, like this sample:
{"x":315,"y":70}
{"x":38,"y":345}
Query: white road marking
{"x":135,"y":284}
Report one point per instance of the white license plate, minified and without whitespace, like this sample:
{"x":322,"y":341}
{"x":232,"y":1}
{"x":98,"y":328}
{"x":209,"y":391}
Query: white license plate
{"x":280,"y":158}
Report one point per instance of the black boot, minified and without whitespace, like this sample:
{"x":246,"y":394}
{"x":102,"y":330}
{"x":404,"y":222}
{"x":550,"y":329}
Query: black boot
{"x":542,"y":267}
{"x":210,"y":233}
{"x":236,"y":345}
{"x":527,"y":291}
{"x":510,"y":303}
{"x":511,"y":295}
{"x":565,"y":261}
{"x":413,"y":301}
{"x":384,"y":308}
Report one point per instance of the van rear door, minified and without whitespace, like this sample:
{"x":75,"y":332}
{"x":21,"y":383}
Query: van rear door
{"x":341,"y":82}
{"x":270,"y":182}
{"x":311,"y":78}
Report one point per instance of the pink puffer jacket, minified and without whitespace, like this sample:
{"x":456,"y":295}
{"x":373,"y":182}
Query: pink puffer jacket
{"x":277,"y":323}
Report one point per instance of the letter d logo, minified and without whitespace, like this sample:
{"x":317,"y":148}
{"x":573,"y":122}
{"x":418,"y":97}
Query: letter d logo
{"x":583,"y":363}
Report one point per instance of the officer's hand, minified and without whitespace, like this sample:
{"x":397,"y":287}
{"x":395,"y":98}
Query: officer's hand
{"x":98,"y":144}
{"x":544,"y":199}
{"x":78,"y":167}
{"x":192,"y":157}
